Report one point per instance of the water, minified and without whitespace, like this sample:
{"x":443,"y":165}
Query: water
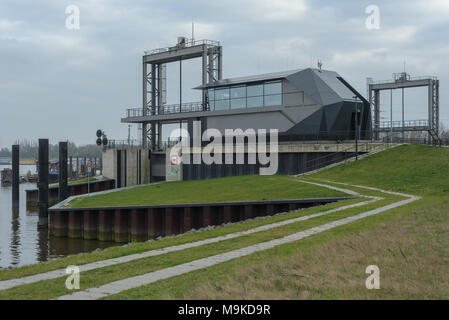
{"x":22,"y":242}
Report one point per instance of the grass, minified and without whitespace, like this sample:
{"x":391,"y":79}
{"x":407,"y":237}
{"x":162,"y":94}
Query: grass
{"x":416,"y":169}
{"x":56,"y":287}
{"x":410,"y":249}
{"x":114,"y":252}
{"x":409,"y":244}
{"x":84,"y":180}
{"x":247,"y":188}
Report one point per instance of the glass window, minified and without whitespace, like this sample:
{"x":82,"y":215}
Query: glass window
{"x":238,"y":103}
{"x":221,"y":104}
{"x":253,"y":102}
{"x":221,"y":94}
{"x":238,"y":97}
{"x":272,"y":94}
{"x":254,"y":91}
{"x":210,"y":94}
{"x":238,"y":92}
{"x":211,"y":98}
{"x":272,"y":88}
{"x":273,"y":100}
{"x":222,"y":99}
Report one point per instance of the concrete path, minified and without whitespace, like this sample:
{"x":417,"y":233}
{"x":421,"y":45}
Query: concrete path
{"x":145,"y":279}
{"x":7,"y":284}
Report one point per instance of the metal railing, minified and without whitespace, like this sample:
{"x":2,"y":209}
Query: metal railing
{"x":395,"y":80}
{"x":407,"y":123}
{"x":320,"y":136}
{"x":341,"y":156}
{"x":123,"y":144}
{"x":167,"y":109}
{"x":188,"y":43}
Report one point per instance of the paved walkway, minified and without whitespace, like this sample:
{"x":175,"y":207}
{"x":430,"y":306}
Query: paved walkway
{"x":7,"y":284}
{"x":148,"y":278}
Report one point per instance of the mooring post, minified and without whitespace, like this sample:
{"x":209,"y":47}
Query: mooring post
{"x":42,"y":184}
{"x":63,"y":189}
{"x":15,"y":176}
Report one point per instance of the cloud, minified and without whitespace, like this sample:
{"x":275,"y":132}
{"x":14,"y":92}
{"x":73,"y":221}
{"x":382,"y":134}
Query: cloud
{"x":92,"y":75}
{"x":6,"y":24}
{"x":280,"y":9}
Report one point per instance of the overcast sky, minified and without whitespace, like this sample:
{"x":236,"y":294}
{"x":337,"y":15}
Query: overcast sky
{"x":64,"y":84}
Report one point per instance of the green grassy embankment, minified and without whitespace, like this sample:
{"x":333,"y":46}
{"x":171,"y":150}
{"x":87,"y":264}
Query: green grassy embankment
{"x":246,"y":188}
{"x":409,"y":244}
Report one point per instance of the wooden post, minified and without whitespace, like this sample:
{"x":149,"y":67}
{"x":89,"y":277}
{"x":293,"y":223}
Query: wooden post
{"x":43,"y":182}
{"x":62,"y":176}
{"x":15,"y":176}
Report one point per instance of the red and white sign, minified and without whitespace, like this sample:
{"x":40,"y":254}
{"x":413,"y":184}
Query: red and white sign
{"x":174,"y":161}
{"x":89,"y":163}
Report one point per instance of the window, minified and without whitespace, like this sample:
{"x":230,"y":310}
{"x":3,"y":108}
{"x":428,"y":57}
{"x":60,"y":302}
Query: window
{"x":255,"y":91}
{"x":255,"y":96}
{"x":272,"y":94}
{"x":249,"y":96}
{"x":255,"y":102}
{"x":222,"y":99}
{"x":238,"y":97}
{"x":211,"y":98}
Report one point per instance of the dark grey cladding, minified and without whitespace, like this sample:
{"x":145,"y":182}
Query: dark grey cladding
{"x":334,"y":117}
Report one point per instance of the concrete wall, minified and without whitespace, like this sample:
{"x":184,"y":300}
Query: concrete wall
{"x":289,"y":163}
{"x":134,"y":162}
{"x":110,"y":163}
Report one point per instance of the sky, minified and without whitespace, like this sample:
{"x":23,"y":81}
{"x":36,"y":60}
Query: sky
{"x":64,"y":84}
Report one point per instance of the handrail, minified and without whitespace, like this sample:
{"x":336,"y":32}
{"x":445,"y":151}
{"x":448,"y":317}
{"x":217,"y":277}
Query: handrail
{"x":407,"y":123}
{"x":188,"y":43}
{"x":167,"y":109}
{"x":400,"y":80}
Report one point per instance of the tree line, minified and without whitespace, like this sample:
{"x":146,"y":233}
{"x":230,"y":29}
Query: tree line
{"x":29,"y":150}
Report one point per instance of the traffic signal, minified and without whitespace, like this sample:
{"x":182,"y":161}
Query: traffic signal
{"x":101,"y":138}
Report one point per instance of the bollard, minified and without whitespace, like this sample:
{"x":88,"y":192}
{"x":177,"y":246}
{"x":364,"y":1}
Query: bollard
{"x":63,"y":189}
{"x":15,"y":176}
{"x":42,"y":184}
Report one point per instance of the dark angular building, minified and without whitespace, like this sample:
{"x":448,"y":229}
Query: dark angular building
{"x":308,"y":104}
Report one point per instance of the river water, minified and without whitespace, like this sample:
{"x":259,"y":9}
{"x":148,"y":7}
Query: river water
{"x":22,"y":242}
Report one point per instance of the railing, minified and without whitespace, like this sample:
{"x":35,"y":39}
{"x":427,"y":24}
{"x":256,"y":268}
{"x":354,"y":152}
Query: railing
{"x":188,"y":43}
{"x":167,"y":109}
{"x":343,"y":155}
{"x":407,"y":123}
{"x":394,"y":80}
{"x":318,"y":137}
{"x":123,"y":144}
